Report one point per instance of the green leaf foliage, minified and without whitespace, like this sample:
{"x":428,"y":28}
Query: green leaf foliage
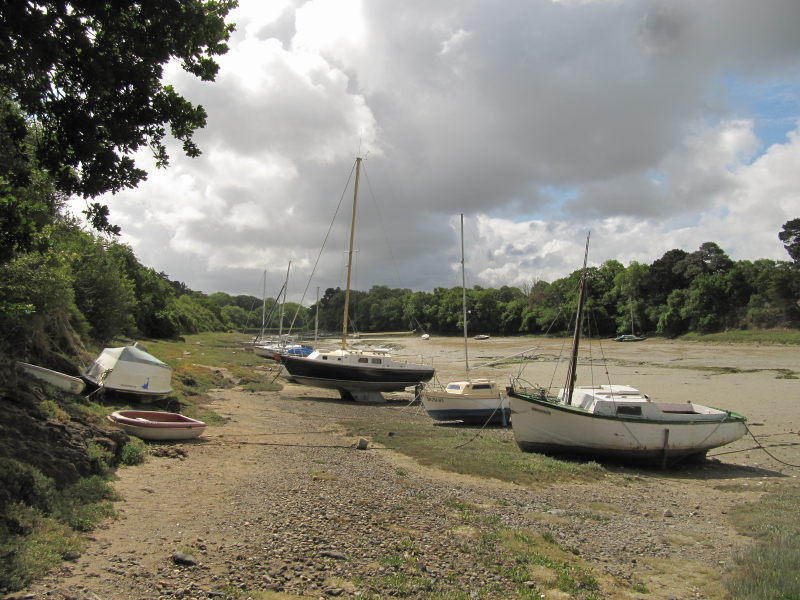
{"x":91,"y":74}
{"x":81,"y":90}
{"x":702,"y":291}
{"x":790,"y":236}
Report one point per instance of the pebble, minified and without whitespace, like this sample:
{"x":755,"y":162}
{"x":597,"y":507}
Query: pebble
{"x":279,"y":530}
{"x":179,"y":558}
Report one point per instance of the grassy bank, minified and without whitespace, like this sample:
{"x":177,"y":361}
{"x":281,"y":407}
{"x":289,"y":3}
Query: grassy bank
{"x":207,"y":361}
{"x":40,"y":524}
{"x":747,"y":336}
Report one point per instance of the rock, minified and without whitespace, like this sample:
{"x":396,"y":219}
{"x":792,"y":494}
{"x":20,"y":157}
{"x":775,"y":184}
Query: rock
{"x":668,"y":513}
{"x":59,"y":450}
{"x":179,"y":558}
{"x":362,"y":444}
{"x":332,"y":554}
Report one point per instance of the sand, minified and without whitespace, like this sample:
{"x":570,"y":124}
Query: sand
{"x":279,"y":499}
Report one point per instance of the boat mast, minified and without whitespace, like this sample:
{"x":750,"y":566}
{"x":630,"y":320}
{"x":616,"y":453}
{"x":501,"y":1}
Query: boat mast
{"x":285,"y":286}
{"x":350,"y":256}
{"x":263,"y":307}
{"x":572,"y":373}
{"x":464,"y":299}
{"x":316,"y":320}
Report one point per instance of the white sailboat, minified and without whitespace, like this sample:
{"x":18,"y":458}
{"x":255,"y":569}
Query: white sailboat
{"x":359,"y":375}
{"x":615,"y":421}
{"x":273,"y":348}
{"x":468,"y":400}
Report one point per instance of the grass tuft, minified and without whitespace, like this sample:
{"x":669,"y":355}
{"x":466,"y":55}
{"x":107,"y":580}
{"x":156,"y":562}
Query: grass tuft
{"x":769,"y":568}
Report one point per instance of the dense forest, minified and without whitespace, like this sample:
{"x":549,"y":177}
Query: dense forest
{"x":66,"y":287}
{"x":701,"y":291}
{"x":79,"y":286}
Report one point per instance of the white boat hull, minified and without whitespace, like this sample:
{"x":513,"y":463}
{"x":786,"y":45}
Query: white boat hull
{"x":444,"y":406}
{"x":130,"y":370}
{"x":157,"y":426}
{"x":552,"y":428}
{"x":62,"y":381}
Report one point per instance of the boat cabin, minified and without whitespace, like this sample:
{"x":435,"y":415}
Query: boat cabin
{"x":628,"y":402}
{"x":474,"y":387}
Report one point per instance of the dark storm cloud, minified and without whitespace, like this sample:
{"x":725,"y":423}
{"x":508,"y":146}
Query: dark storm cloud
{"x":477,"y":108}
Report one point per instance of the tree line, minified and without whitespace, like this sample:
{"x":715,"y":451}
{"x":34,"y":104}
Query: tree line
{"x":702,"y":291}
{"x":79,"y":287}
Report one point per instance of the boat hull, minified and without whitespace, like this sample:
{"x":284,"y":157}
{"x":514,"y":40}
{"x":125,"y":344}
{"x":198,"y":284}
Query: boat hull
{"x":443,"y":406}
{"x":62,"y":381}
{"x":155,"y":425}
{"x":130,"y":370}
{"x":550,"y":428}
{"x":345,"y":377}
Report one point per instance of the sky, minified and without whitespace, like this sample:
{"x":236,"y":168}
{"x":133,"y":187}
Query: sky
{"x":651,"y":124}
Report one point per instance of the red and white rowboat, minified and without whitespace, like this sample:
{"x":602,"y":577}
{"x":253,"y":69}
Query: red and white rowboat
{"x":156,"y":425}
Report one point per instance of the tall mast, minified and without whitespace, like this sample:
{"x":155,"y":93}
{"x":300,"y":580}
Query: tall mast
{"x":316,"y":320}
{"x":573,"y":362}
{"x":350,"y":256}
{"x":285,"y":286}
{"x":263,"y":307}
{"x":464,"y":299}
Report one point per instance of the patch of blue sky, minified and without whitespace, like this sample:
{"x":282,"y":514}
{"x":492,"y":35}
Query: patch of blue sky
{"x":536,"y":203}
{"x":773,"y":104}
{"x":547,"y":204}
{"x":558,"y":195}
{"x":657,"y":178}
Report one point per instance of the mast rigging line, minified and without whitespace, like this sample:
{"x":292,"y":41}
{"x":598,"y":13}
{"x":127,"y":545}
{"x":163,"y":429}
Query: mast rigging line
{"x":365,"y":175}
{"x":322,"y":248}
{"x":380,"y":220}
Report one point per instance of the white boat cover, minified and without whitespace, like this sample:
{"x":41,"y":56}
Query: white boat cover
{"x":130,"y":369}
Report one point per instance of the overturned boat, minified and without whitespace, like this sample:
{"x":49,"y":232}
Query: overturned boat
{"x":130,"y":370}
{"x":62,"y":381}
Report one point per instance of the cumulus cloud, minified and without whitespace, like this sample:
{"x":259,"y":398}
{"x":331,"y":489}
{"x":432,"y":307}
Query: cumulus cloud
{"x":540,"y":120}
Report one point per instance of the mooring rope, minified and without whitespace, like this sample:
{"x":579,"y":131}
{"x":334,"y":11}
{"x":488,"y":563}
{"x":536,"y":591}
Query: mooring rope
{"x":760,"y":446}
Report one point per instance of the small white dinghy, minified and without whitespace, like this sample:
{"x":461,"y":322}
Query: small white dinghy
{"x":156,"y":425}
{"x":62,"y":381}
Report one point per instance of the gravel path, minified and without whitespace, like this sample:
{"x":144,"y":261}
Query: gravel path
{"x":280,"y":500}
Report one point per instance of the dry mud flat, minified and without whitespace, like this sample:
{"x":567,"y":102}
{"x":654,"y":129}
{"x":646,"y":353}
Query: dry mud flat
{"x":279,"y":499}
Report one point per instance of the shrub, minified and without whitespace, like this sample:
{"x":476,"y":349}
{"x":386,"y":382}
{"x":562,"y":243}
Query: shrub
{"x":133,"y":452}
{"x":52,"y":411}
{"x":86,"y":502}
{"x":100,"y":458}
{"x":21,"y":483}
{"x":25,"y":558}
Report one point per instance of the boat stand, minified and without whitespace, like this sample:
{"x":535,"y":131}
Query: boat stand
{"x":362,"y":397}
